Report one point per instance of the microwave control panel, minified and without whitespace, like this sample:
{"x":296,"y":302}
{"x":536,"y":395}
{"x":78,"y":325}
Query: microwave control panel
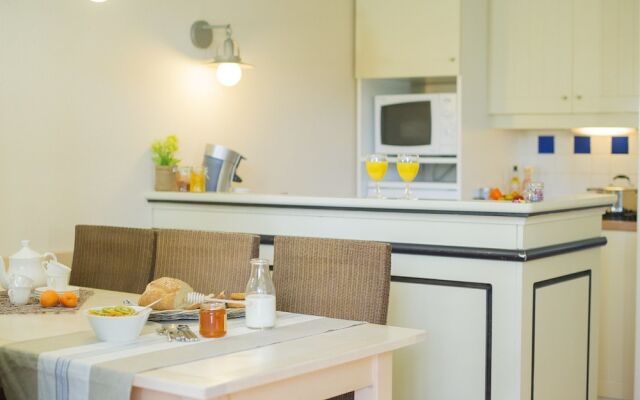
{"x":448,"y":139}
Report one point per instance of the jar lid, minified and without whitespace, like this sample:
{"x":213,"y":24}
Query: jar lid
{"x":212,"y":305}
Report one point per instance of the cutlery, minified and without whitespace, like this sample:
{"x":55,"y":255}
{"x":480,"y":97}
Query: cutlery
{"x":190,"y":336}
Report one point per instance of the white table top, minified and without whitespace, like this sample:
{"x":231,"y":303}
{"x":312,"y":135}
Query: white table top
{"x":471,"y":206}
{"x":220,"y":375}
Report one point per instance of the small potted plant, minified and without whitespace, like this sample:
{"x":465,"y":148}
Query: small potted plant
{"x":163,"y":155}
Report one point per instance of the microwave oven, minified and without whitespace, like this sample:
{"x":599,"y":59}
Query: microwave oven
{"x":424,"y":124}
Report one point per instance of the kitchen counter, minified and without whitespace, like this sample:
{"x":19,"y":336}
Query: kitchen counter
{"x":627,"y":226}
{"x":426,"y":206}
{"x":503,"y":289}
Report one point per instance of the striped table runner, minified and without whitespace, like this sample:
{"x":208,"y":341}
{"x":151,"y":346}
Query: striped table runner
{"x":77,"y":366}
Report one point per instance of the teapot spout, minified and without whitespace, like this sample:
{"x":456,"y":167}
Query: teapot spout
{"x":4,"y":275}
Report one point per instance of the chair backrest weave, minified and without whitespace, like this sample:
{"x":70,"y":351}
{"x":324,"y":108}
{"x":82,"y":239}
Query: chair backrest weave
{"x":208,"y":261}
{"x":335,"y":278}
{"x":113,"y":258}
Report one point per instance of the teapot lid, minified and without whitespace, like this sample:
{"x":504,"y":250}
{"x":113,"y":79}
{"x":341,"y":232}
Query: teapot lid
{"x":26,"y":252}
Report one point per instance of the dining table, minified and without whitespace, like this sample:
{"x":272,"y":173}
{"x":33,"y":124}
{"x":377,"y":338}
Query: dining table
{"x":357,"y":358}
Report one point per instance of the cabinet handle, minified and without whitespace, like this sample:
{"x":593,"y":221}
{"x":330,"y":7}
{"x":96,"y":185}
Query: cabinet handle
{"x":579,"y":97}
{"x":564,"y":97}
{"x":452,"y":59}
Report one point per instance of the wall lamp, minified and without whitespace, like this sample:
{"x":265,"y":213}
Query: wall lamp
{"x":228,"y":63}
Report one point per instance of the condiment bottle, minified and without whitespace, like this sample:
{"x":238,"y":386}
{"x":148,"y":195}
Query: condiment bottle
{"x":260,"y":307}
{"x":514,"y":183}
{"x":213,"y":320}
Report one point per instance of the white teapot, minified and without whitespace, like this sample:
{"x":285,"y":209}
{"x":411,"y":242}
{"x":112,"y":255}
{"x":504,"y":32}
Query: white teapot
{"x":26,"y":262}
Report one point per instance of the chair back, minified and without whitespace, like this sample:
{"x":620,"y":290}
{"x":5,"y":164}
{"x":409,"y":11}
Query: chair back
{"x":113,"y":258}
{"x":336,"y":278}
{"x":208,"y":261}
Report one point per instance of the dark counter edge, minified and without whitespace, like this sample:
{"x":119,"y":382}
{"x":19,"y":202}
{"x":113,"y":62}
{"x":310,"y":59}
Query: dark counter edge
{"x":409,"y":211}
{"x":485,"y":253}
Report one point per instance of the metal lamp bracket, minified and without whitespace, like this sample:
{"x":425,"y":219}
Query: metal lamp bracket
{"x":202,"y":33}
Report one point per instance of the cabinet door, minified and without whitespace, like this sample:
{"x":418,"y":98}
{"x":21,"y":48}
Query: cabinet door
{"x":407,"y":38}
{"x":531,"y":56}
{"x":605,"y":56}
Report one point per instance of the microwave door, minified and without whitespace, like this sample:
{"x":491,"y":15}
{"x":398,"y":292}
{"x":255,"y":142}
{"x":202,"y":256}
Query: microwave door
{"x":407,"y":125}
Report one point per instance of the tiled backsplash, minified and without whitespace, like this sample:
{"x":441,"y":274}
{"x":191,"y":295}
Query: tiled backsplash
{"x":565,"y":172}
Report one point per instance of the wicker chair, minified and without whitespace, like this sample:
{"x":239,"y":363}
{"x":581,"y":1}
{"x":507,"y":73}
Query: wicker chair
{"x":113,"y":258}
{"x":209,"y":261}
{"x":335,"y":278}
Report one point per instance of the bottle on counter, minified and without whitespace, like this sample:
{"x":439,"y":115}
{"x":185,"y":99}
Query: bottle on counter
{"x":260,"y":311}
{"x":514,"y":182}
{"x":528,"y":177}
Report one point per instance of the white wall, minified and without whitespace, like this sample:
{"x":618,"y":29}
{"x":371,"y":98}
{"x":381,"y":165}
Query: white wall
{"x":85,"y":88}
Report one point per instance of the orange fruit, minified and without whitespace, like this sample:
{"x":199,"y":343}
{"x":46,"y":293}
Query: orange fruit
{"x":69,"y":299}
{"x":49,"y":298}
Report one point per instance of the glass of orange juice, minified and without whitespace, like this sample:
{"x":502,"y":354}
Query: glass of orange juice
{"x":408,"y":167}
{"x":376,"y":168}
{"x":198,"y":179}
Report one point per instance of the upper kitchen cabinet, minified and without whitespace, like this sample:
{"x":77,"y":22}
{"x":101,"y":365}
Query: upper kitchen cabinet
{"x":563,"y":63}
{"x":407,"y":38}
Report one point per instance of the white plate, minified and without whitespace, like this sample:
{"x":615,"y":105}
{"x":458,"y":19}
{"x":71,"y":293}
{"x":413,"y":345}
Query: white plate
{"x":74,"y":289}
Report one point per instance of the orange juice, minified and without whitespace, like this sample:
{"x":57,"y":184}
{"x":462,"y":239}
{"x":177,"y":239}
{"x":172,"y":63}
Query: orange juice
{"x":408,"y":171}
{"x":197,"y":181}
{"x":376,"y":169}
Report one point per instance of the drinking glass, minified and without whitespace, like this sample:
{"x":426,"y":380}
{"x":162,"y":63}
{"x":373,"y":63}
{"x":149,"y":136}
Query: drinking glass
{"x":198,"y":175}
{"x":408,"y":167}
{"x":184,"y":179}
{"x":376,"y":168}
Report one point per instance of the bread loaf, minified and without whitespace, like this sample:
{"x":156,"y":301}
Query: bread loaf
{"x":171,"y":291}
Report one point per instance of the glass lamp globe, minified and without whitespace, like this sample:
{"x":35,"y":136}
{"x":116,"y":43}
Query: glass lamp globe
{"x":229,"y":74}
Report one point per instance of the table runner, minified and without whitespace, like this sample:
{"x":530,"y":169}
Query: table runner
{"x":76,"y":366}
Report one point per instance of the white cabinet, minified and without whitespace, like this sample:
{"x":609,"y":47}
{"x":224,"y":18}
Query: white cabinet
{"x":572,"y":57}
{"x":617,"y":316}
{"x":530,"y":60}
{"x":605,"y":56}
{"x":407,"y":38}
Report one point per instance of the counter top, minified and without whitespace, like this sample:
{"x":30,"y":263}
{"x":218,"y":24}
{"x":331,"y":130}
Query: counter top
{"x":474,"y":207}
{"x":628,"y":226}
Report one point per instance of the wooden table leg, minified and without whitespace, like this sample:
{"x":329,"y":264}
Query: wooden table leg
{"x":381,"y":376}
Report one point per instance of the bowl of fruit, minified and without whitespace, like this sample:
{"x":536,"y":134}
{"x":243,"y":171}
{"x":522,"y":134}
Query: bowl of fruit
{"x":117,"y":324}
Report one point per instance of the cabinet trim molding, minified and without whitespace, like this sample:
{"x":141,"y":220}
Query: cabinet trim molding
{"x":488,"y":288}
{"x":555,"y":281}
{"x":485,"y":253}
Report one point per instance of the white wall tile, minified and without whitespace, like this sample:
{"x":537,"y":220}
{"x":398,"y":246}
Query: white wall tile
{"x":566,"y":173}
{"x":600,"y":145}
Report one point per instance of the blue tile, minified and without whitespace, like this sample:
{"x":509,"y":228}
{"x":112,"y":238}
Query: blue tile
{"x":620,"y":145}
{"x":546,"y":144}
{"x":581,"y":145}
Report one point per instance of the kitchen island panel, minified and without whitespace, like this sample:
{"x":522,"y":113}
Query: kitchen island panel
{"x":550,"y":229}
{"x":558,"y":273}
{"x":396,"y":227}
